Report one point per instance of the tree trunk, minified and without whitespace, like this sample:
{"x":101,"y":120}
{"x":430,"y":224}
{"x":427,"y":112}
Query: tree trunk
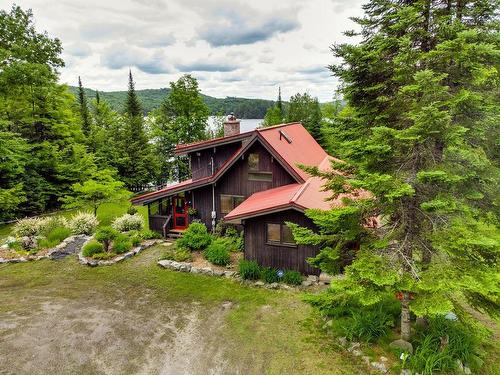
{"x":95,"y":210}
{"x":405,"y":317}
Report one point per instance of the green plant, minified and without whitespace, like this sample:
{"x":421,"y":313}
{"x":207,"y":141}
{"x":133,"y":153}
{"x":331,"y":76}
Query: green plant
{"x":28,"y":227}
{"x":105,"y":235}
{"x":83,"y":223}
{"x":15,"y":245}
{"x":195,"y":238}
{"x":128,"y":222}
{"x":292,"y":277}
{"x":368,"y":324}
{"x":54,"y":237}
{"x":428,"y":358}
{"x":249,"y":269}
{"x":269,"y":275}
{"x":132,"y":210}
{"x":176,"y":254}
{"x":217,"y":252}
{"x":149,"y":234}
{"x":136,"y":240}
{"x":92,"y":248}
{"x":120,"y":247}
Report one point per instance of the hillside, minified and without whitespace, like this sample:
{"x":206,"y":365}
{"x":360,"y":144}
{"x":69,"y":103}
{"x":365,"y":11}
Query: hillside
{"x":152,"y":98}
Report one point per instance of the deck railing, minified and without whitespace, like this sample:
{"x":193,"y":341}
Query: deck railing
{"x":165,"y":225}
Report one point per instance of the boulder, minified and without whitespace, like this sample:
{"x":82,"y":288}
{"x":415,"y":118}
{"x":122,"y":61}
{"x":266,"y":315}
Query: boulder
{"x":403,"y":345}
{"x":272,"y":286}
{"x":229,"y":273}
{"x":325,"y":278}
{"x":379,"y":366}
{"x":28,"y":242}
{"x":366,"y":359}
{"x":218,"y":273}
{"x":195,"y":270}
{"x":206,"y":271}
{"x":184,"y":267}
{"x":307,"y":283}
{"x":259,"y":283}
{"x":343,"y":341}
{"x":312,"y":278}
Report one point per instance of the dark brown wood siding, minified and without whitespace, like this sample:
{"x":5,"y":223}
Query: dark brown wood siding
{"x":201,"y":160}
{"x":275,"y":256}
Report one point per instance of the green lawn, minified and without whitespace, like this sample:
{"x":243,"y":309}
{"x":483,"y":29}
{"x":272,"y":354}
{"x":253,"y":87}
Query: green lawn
{"x":134,"y":317}
{"x":106,"y":213}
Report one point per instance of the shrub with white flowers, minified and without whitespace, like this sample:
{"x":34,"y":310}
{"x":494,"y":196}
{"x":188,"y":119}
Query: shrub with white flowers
{"x":29,"y":227}
{"x":128,"y":222}
{"x":83,"y":223}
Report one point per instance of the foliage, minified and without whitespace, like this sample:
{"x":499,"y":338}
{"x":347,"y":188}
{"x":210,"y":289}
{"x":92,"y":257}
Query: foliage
{"x":292,"y":277}
{"x":195,"y":238}
{"x":132,"y":210}
{"x":306,"y":109}
{"x":83,"y":223}
{"x":269,"y":275}
{"x":234,"y":237}
{"x":84,"y":109}
{"x":99,"y":189}
{"x":368,"y":324}
{"x":179,"y":255}
{"x":54,"y":237}
{"x":105,"y":235}
{"x":249,"y":269}
{"x":128,"y":222}
{"x":217,"y":252}
{"x":422,"y":100}
{"x":92,"y":248}
{"x":182,"y":118}
{"x":122,"y":244}
{"x":103,"y":256}
{"x":150,"y":234}
{"x":136,"y":240}
{"x":30,"y":226}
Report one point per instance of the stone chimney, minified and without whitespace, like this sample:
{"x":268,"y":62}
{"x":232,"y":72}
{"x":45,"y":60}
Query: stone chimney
{"x":231,"y":126}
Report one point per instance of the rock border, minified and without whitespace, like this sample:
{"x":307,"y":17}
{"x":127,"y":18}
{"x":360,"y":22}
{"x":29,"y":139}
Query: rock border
{"x":186,"y":267}
{"x":52,"y":253}
{"x":136,"y":250}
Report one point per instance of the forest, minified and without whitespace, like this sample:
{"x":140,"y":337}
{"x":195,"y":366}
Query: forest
{"x":415,"y":124}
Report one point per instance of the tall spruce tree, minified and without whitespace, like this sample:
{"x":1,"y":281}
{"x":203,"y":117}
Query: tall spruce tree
{"x":84,"y":109}
{"x":276,"y":114}
{"x":422,"y":89}
{"x":307,"y":110}
{"x":139,"y":165}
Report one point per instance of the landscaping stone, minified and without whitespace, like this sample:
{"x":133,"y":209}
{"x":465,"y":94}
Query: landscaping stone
{"x":230,"y":273}
{"x":405,"y":346}
{"x":218,"y":273}
{"x":405,"y":371}
{"x":379,"y":366}
{"x":312,"y":278}
{"x":206,"y":271}
{"x":354,"y":346}
{"x":343,"y":341}
{"x":307,"y":283}
{"x":272,"y":286}
{"x":366,"y":359}
{"x":195,"y":270}
{"x":325,"y":278}
{"x":357,"y":352}
{"x":259,"y":283}
{"x":28,"y":242}
{"x":93,"y":263}
{"x":383,"y":359}
{"x":70,"y":245}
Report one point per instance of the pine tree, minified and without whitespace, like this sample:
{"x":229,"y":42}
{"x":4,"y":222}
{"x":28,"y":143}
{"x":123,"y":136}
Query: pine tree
{"x":307,"y":110}
{"x":422,"y":93}
{"x":279,"y":105}
{"x":139,"y":164}
{"x":84,"y":109}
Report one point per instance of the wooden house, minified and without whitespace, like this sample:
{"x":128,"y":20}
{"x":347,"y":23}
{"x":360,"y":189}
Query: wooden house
{"x":251,"y":179}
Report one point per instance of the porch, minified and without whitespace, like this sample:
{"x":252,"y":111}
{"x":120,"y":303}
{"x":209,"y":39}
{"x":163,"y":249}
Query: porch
{"x":169,"y":216}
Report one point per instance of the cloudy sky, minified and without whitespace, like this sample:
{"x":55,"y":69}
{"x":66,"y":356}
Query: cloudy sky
{"x":234,"y":48}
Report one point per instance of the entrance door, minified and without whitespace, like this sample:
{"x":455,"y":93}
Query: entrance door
{"x":180,"y":213}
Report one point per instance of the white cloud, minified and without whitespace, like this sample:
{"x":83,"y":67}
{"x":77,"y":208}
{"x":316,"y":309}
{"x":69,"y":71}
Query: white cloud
{"x":234,"y":47}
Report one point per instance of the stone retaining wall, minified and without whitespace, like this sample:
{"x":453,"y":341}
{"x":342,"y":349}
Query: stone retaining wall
{"x":136,"y":250}
{"x":68,"y":246}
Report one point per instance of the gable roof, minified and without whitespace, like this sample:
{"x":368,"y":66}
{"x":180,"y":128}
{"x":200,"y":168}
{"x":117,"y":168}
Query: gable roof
{"x":293,"y":196}
{"x":291,"y":144}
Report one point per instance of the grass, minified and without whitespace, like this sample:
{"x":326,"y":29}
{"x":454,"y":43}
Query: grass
{"x":106,"y":213}
{"x":264,"y":332}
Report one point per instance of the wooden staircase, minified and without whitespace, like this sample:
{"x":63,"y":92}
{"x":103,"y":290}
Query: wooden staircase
{"x":175,"y":233}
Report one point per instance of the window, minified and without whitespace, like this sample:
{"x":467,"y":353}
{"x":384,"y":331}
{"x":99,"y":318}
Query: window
{"x":260,"y":176}
{"x":279,"y":234}
{"x":229,"y":202}
{"x":253,"y":162}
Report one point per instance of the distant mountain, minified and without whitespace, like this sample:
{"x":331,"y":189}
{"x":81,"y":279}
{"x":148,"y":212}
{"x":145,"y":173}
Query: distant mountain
{"x":152,"y":99}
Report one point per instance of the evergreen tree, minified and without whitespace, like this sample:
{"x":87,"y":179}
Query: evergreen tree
{"x":39,"y":112}
{"x":276,"y":114}
{"x":307,"y":110}
{"x":182,"y":118}
{"x":139,"y":164}
{"x":422,"y":92}
{"x":279,"y":104}
{"x":84,"y":109}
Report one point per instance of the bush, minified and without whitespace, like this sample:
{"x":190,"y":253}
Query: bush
{"x":292,"y":277}
{"x":249,"y":269}
{"x":15,"y":245}
{"x":136,"y":240}
{"x":217,"y":252}
{"x":92,"y":248}
{"x":54,"y":237}
{"x":30,"y":227}
{"x":369,"y":324}
{"x":149,"y":234}
{"x":105,"y":235}
{"x":48,"y":224}
{"x":132,"y":210}
{"x":83,"y":223}
{"x":269,"y":275}
{"x":120,"y":247}
{"x":196,"y":237}
{"x":128,"y":222}
{"x":178,"y":255}
{"x":430,"y":356}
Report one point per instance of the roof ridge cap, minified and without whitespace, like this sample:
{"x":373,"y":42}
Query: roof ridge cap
{"x":299,"y":192}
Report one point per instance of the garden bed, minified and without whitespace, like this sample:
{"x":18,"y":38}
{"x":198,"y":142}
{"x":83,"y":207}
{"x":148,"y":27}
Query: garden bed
{"x":70,"y":245}
{"x":118,"y":257}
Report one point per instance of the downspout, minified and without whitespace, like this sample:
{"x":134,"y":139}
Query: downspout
{"x":214,"y":213}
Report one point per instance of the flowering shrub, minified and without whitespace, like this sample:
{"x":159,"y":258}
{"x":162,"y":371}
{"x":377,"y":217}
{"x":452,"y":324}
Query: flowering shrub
{"x":83,"y":223}
{"x":128,"y":222}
